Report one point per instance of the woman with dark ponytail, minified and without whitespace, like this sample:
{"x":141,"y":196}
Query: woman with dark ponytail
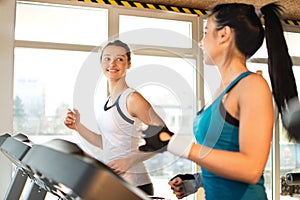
{"x":233,"y":134}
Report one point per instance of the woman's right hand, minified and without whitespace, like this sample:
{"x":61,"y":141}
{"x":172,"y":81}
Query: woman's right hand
{"x":72,"y":119}
{"x":185,"y":184}
{"x":176,"y":186}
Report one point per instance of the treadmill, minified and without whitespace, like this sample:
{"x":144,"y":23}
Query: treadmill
{"x":63,"y":169}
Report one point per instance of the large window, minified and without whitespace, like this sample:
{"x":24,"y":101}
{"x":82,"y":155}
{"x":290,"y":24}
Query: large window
{"x":47,"y":62}
{"x":156,"y":32}
{"x":172,"y":97}
{"x":43,"y":89}
{"x":60,"y":24}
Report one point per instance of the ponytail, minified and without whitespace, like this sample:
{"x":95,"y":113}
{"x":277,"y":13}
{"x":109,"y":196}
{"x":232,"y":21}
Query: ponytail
{"x":279,"y":63}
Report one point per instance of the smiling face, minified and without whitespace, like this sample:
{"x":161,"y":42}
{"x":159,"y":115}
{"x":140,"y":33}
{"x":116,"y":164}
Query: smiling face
{"x":115,"y":62}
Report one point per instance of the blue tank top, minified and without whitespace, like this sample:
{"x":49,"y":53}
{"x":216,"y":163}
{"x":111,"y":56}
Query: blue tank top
{"x":212,"y":130}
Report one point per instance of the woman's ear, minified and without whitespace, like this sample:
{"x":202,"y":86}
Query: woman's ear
{"x":129,"y":65}
{"x":224,"y":34}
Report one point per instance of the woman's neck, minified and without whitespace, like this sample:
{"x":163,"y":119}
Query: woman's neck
{"x":231,"y":71}
{"x":116,"y":88}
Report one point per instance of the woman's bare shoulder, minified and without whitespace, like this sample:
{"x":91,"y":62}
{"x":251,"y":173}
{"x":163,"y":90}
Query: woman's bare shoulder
{"x":254,"y":86}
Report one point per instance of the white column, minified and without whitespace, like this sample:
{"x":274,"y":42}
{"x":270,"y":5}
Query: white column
{"x":7,"y":21}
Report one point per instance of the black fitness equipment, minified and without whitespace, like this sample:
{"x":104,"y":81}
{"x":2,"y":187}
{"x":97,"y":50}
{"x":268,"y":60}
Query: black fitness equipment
{"x":63,"y":169}
{"x":15,"y":148}
{"x":293,"y":178}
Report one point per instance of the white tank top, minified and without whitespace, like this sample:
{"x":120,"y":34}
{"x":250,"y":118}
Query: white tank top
{"x":120,"y":137}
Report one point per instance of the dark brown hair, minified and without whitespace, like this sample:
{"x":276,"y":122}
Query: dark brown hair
{"x":249,"y":35}
{"x":118,"y":43}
